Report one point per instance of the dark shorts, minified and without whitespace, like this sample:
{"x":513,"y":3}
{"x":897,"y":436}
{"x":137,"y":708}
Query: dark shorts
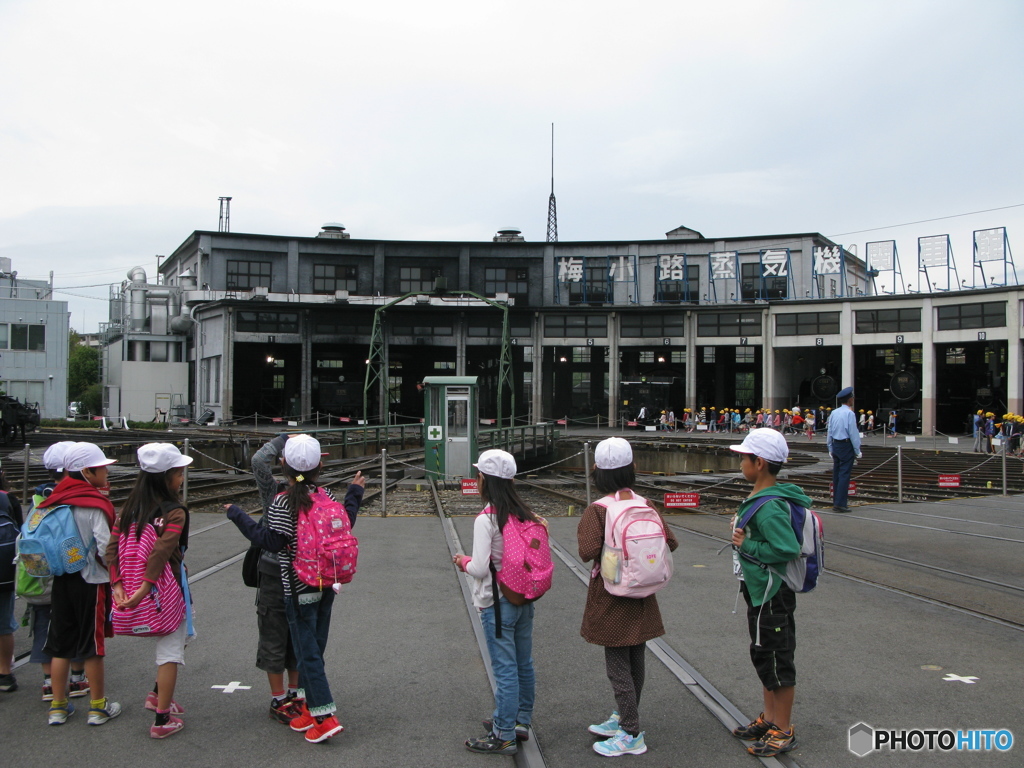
{"x":274,"y":653}
{"x":774,"y":657}
{"x":78,"y":618}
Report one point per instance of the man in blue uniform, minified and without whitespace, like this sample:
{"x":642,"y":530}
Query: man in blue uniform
{"x":844,"y":447}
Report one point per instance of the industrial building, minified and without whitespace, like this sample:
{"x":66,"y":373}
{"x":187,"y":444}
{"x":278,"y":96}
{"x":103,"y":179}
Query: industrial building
{"x":33,"y":343}
{"x":241,"y":325}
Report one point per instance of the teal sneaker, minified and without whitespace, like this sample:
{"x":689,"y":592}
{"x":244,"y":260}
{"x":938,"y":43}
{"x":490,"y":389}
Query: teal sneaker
{"x":109,"y":712}
{"x":621,"y":744}
{"x":609,"y":727}
{"x":60,"y":715}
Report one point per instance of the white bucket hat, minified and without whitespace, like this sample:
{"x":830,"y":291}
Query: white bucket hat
{"x":85,"y":456}
{"x":497,"y":464}
{"x":766,"y":443}
{"x":160,"y":457}
{"x":53,"y":457}
{"x":613,"y":453}
{"x":302,"y":453}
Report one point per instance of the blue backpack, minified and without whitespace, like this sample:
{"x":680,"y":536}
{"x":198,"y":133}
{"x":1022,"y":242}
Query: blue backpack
{"x":8,"y":537}
{"x":801,"y":574}
{"x":50,"y":544}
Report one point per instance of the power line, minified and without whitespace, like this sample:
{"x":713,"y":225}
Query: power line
{"x":926,"y":221}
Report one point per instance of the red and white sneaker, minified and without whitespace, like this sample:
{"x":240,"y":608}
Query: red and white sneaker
{"x":151,"y":704}
{"x":303,"y":721}
{"x":171,"y":727}
{"x":324,"y":730}
{"x":78,"y":688}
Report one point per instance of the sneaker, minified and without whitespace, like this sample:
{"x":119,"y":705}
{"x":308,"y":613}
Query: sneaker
{"x":621,"y":744}
{"x":152,"y":703}
{"x":172,"y":726}
{"x":78,"y":688}
{"x":285,"y":711}
{"x":323,"y":730}
{"x":522,"y":731}
{"x":753,"y":731}
{"x":609,"y":727}
{"x":303,"y":721}
{"x":492,"y":745}
{"x":8,"y":684}
{"x":109,"y":712}
{"x":775,"y":742}
{"x":47,"y":692}
{"x":60,"y":715}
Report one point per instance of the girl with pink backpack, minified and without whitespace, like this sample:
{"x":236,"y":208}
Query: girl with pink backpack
{"x":510,"y":568}
{"x":621,"y":624}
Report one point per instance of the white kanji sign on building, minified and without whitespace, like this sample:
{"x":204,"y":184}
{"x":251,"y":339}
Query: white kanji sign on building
{"x":828,"y":261}
{"x":670,"y":267}
{"x":570,"y":269}
{"x":620,"y":268}
{"x":773,"y":264}
{"x":723,"y":266}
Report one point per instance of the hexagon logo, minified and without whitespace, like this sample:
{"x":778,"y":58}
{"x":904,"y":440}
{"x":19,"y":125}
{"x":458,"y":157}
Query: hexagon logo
{"x":861,"y":739}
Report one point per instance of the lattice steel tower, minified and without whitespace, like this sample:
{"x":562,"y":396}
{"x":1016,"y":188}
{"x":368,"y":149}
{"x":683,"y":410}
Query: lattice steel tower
{"x":224,"y":225}
{"x":552,"y":212}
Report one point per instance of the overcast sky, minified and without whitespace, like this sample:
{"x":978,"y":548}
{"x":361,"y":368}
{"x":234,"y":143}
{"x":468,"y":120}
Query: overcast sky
{"x":121,"y":123}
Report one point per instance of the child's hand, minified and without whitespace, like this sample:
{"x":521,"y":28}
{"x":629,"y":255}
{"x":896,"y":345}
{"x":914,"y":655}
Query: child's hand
{"x":359,"y":479}
{"x":738,"y":534}
{"x":117,"y":592}
{"x":134,"y":600}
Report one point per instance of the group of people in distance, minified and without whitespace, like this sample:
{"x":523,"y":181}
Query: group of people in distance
{"x":623,"y":625}
{"x":71,"y":620}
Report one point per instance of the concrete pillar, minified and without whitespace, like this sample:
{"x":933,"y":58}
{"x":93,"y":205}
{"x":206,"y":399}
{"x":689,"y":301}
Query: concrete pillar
{"x":292,"y":272}
{"x":691,"y":363}
{"x":538,"y":369}
{"x":460,"y":344}
{"x":306,"y":364}
{"x":613,"y":367}
{"x":928,"y":384}
{"x":228,"y":370}
{"x":846,"y":321}
{"x":767,"y":362}
{"x":1014,"y":393}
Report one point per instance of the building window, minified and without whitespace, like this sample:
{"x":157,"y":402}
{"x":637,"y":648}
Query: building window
{"x":587,"y":281}
{"x":709,"y":354}
{"x":409,"y":329}
{"x":330,"y":363}
{"x":528,"y":353}
{"x":576,"y":326}
{"x":807,"y":324}
{"x":31,"y":338}
{"x":244,"y":275}
{"x":888,"y":320}
{"x":492,"y":330}
{"x":328,"y":278}
{"x":444,"y":365}
{"x":956,"y":317}
{"x":675,"y":282}
{"x":511,"y":280}
{"x":211,"y":380}
{"x":745,"y":382}
{"x":678,"y":356}
{"x":746,"y":355}
{"x":278,"y":381}
{"x":341,"y":324}
{"x":417,"y":279}
{"x":956,"y":356}
{"x":887,"y":355}
{"x":267,"y":322}
{"x":652,"y":325}
{"x":729,"y":324}
{"x":754,"y":286}
{"x":25,"y":391}
{"x":646,"y":356}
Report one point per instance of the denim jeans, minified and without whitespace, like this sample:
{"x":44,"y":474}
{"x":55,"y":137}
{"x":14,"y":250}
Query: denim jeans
{"x":512,"y":662}
{"x":310,"y":624}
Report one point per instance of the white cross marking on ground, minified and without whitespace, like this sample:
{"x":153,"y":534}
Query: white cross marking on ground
{"x":951,"y":678}
{"x":232,"y":687}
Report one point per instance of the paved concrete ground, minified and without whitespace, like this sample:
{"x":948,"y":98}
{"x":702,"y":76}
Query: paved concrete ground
{"x":411,"y":686}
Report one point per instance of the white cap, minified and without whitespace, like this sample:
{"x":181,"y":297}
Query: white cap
{"x":613,"y":453}
{"x":84,"y":456}
{"x":159,"y":457}
{"x":497,"y":464}
{"x":302,"y":453}
{"x":53,"y":457}
{"x":766,"y":443}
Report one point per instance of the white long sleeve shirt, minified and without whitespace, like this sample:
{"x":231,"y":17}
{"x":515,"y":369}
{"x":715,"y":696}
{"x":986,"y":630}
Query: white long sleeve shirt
{"x":487,"y":548}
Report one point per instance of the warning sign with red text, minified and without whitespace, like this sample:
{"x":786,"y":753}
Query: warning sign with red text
{"x":681,"y":500}
{"x":949,"y":481}
{"x":470,"y":487}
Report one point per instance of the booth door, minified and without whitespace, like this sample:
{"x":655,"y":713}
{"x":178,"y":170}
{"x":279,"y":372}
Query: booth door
{"x":457,"y":459}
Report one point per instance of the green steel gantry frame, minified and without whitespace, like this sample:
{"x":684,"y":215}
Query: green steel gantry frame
{"x":377,"y":359}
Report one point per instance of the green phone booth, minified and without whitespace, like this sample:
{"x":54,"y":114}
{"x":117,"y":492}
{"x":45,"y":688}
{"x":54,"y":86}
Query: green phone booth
{"x":450,"y":426}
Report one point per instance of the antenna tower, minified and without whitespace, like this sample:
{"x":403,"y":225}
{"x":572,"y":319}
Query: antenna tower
{"x":225,"y":215}
{"x":552,"y":213}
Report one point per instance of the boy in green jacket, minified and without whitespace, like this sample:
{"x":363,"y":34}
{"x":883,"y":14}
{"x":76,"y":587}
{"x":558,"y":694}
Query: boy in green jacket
{"x":769,"y":538}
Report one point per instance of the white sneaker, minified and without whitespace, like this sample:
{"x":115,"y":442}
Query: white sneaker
{"x":100,"y":716}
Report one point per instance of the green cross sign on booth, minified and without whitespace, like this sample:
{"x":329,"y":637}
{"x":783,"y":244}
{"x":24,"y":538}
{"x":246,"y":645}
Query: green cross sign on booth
{"x":434,"y":433}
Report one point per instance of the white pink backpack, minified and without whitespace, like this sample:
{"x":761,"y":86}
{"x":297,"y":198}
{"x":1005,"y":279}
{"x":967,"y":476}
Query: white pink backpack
{"x":163,"y":608}
{"x":325,"y":549}
{"x":526,"y":567}
{"x":636,"y":560}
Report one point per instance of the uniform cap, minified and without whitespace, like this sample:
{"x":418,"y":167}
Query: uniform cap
{"x":53,"y":457}
{"x":766,"y":443}
{"x":845,"y":393}
{"x":613,"y":453}
{"x":497,"y":464}
{"x":160,"y":457}
{"x":302,"y":453}
{"x":81,"y":456}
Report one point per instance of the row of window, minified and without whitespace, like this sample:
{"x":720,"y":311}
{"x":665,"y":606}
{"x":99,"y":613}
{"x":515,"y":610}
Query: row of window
{"x":23,"y":336}
{"x":649,"y":325}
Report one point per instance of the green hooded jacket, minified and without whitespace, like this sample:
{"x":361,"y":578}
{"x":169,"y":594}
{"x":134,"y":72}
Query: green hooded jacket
{"x":770,"y":539}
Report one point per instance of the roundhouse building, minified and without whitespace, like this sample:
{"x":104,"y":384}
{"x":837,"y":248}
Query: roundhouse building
{"x":285,"y":326}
